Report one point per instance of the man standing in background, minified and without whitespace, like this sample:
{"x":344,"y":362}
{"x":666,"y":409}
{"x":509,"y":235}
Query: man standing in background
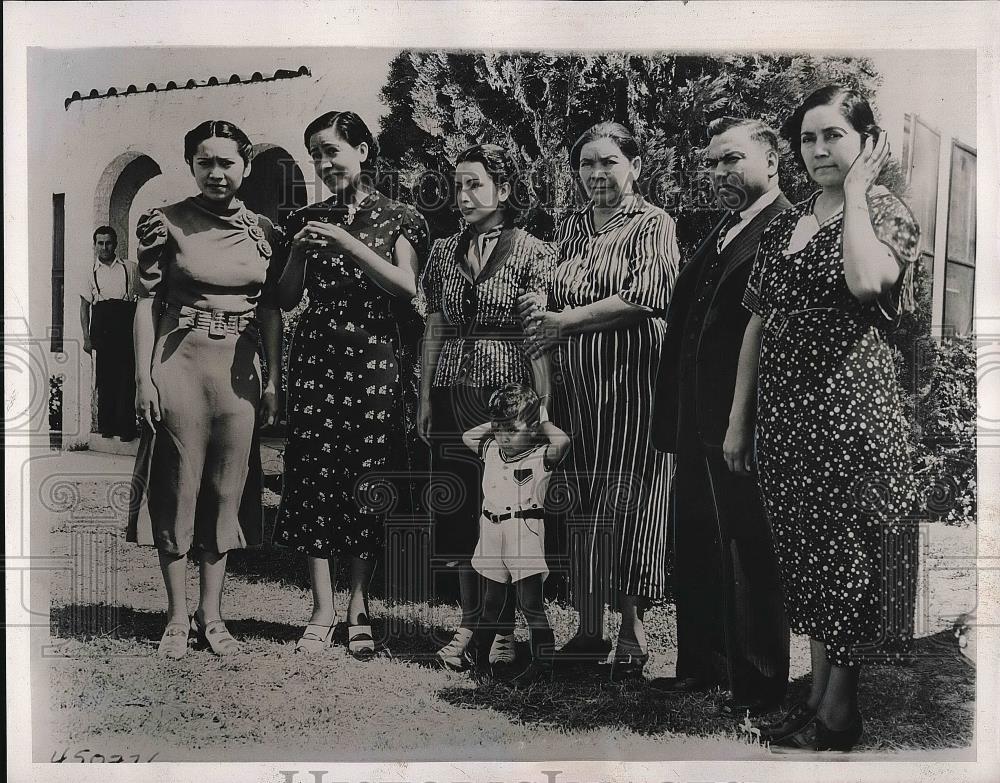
{"x":107,"y":310}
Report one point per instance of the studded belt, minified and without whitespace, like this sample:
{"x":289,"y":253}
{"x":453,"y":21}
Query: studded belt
{"x":218,"y":323}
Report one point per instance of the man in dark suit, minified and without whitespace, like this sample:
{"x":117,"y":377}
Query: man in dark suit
{"x":731,"y":626}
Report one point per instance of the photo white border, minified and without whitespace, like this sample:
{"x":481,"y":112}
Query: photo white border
{"x":693,"y":26}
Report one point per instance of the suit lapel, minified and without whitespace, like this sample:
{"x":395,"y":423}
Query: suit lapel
{"x":743,"y":248}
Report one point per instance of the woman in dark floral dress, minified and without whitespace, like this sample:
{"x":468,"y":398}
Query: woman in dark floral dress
{"x":351,"y":373}
{"x":831,"y":439}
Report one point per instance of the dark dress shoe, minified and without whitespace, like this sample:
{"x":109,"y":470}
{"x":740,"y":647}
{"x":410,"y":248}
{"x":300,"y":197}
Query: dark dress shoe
{"x":738,"y":709}
{"x":815,"y":735}
{"x":680,"y":685}
{"x":582,"y":650}
{"x":789,"y":723}
{"x":628,"y":668}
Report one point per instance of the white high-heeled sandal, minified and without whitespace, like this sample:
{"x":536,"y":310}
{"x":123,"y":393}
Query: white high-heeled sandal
{"x":315,"y":637}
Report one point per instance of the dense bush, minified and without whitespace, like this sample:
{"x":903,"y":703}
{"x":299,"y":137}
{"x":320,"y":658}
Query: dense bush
{"x":939,"y":382}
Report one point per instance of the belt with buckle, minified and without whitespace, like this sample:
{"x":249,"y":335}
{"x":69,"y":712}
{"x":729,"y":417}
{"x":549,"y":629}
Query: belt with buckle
{"x":531,"y":513}
{"x":218,"y":323}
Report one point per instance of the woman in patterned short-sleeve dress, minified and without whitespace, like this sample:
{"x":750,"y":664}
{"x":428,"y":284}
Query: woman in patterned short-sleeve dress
{"x":831,"y":439}
{"x":351,"y":371}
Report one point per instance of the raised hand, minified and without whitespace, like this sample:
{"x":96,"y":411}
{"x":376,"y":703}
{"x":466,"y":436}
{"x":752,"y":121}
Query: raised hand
{"x":866,"y":167}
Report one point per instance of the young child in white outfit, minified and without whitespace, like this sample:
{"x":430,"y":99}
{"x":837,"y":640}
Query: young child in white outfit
{"x":519,"y":448}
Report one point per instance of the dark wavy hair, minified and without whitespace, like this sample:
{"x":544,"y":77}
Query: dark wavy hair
{"x":352,"y":129}
{"x":217,"y":129}
{"x":759,"y":132}
{"x":851,"y":104}
{"x":106,"y":230}
{"x":514,"y":401}
{"x":502,"y":169}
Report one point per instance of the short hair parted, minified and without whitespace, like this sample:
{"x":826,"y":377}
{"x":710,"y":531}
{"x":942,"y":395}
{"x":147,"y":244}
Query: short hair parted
{"x":499,"y":164}
{"x":514,"y":401}
{"x":852,"y":105}
{"x":106,"y":230}
{"x":351,"y":128}
{"x":615,"y":131}
{"x":759,"y":131}
{"x":217,"y":129}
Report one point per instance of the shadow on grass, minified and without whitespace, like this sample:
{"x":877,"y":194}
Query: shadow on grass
{"x":928,"y":704}
{"x":403,"y":639}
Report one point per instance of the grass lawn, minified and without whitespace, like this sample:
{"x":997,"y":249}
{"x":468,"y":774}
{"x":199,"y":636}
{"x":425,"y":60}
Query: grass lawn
{"x":108,"y":690}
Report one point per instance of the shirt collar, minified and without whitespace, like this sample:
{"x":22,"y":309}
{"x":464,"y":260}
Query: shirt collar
{"x":630,"y":205}
{"x":482,"y":240}
{"x":98,"y":264}
{"x":760,"y":204}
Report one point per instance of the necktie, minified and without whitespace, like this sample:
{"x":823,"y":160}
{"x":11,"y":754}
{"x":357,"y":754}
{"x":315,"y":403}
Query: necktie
{"x":730,"y":220}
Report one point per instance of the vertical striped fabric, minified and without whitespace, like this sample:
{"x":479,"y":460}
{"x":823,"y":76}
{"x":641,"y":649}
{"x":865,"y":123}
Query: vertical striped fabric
{"x":615,"y":483}
{"x":518,"y":262}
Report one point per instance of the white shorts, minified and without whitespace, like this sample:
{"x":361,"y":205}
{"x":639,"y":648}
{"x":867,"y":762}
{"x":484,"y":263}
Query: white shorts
{"x":511,"y":550}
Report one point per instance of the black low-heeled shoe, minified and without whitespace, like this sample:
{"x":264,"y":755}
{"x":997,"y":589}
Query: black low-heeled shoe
{"x":582,"y":651}
{"x":789,"y":723}
{"x":839,"y":739}
{"x":816,"y":735}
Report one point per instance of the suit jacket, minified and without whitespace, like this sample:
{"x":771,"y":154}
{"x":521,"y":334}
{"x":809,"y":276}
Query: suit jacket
{"x":719,"y":340}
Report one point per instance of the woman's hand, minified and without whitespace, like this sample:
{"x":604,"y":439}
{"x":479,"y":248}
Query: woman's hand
{"x":270,"y":405}
{"x":424,"y":421}
{"x":738,"y":449}
{"x":316,"y":234}
{"x":544,"y":331}
{"x":866,"y":168}
{"x":527,"y":304}
{"x":147,"y":401}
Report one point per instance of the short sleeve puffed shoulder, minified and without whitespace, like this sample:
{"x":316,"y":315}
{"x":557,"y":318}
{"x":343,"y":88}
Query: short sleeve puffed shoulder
{"x":755,"y":296}
{"x":274,"y":236}
{"x":414,"y":229}
{"x":653,"y":264}
{"x":152,"y":233}
{"x":431,"y":281}
{"x":897,"y":229}
{"x":541,"y":268}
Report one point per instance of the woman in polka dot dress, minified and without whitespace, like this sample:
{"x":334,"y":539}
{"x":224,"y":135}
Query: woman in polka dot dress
{"x":831,"y":445}
{"x":351,"y":371}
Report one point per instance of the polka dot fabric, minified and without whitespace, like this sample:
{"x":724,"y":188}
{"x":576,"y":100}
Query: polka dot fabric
{"x":351,"y":390}
{"x":831,"y":445}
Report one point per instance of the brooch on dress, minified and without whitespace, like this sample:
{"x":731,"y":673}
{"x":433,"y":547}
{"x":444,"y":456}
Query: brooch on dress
{"x":252,"y":225}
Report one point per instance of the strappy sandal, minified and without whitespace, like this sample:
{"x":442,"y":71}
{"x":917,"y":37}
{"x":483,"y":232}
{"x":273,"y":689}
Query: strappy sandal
{"x":174,"y":642}
{"x":360,"y":643}
{"x":215,"y":636}
{"x":315,"y":637}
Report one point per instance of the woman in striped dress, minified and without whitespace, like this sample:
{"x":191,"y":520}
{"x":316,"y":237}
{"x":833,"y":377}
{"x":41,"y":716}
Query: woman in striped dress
{"x":618,"y":258}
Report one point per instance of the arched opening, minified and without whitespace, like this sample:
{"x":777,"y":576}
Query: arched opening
{"x":119,"y":183}
{"x":276,"y":185}
{"x":112,"y":397}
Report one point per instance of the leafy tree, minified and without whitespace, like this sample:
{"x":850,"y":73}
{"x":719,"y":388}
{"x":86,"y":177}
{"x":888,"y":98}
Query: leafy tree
{"x":537,"y":104}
